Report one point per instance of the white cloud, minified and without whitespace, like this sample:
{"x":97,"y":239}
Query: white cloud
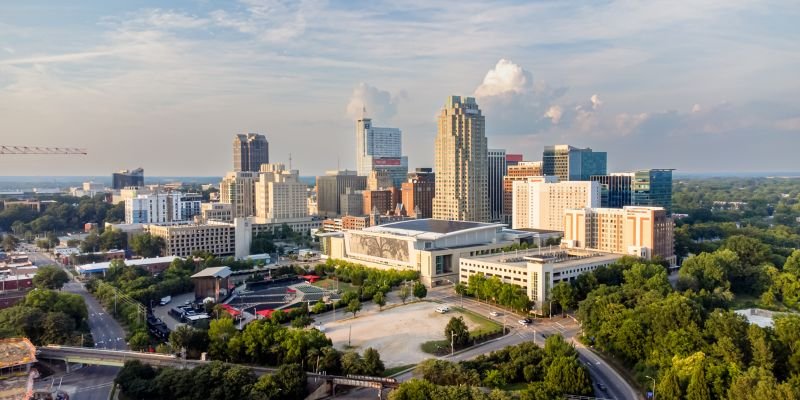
{"x":554,"y":113}
{"x":379,"y":104}
{"x":596,"y":103}
{"x":506,"y":77}
{"x":696,"y":108}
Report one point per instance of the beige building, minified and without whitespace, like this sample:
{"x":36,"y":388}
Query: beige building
{"x":540,"y":202}
{"x":238,"y":190}
{"x":462,"y":186}
{"x":280,"y":196}
{"x":215,"y":237}
{"x":536,"y":270}
{"x":639,"y":231}
{"x":519,"y":172}
{"x":216,"y":212}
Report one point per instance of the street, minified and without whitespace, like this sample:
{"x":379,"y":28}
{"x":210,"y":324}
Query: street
{"x":88,"y":382}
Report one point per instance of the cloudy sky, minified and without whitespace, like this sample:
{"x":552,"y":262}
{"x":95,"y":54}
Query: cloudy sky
{"x":697,"y":85}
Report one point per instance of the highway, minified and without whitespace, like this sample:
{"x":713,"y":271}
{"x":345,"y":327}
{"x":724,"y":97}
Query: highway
{"x":89,"y":382}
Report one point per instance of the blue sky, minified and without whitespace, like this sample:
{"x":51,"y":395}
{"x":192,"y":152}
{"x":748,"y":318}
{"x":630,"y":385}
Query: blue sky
{"x":694,"y":85}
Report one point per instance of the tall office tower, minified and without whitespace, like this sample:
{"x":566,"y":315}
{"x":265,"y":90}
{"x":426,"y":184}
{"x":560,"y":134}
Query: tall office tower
{"x":497,"y":170}
{"x":513,"y":159}
{"x":249,"y":152}
{"x":127,"y":178}
{"x":640,"y":231}
{"x":280,"y":196}
{"x":418,"y":192}
{"x":238,"y":189}
{"x":573,"y":164}
{"x":648,"y":187}
{"x":379,"y":180}
{"x":331,"y":186}
{"x":539,"y":202}
{"x":380,"y":149}
{"x":462,"y":187}
{"x":161,"y":208}
{"x":519,"y":171}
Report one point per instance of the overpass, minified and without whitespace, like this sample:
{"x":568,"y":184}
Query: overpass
{"x":117,"y":358}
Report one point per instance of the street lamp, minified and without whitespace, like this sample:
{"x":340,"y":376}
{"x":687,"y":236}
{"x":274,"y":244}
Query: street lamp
{"x":654,"y":385}
{"x":452,"y":345}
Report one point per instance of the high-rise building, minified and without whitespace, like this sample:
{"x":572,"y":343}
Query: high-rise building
{"x":519,"y":171}
{"x":127,"y":178}
{"x":380,"y":149}
{"x":497,"y":170}
{"x":351,"y":202}
{"x":418,"y":192}
{"x":640,"y":231}
{"x":238,"y":190}
{"x":161,"y":208}
{"x":249,"y":152}
{"x":331,"y":186}
{"x":513,"y":159}
{"x":379,"y":180}
{"x":462,"y":187}
{"x":382,"y":202}
{"x":280,"y":196}
{"x":573,"y":164}
{"x":649,"y":187}
{"x":539,"y":202}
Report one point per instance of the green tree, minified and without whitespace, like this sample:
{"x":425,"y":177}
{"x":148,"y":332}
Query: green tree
{"x":147,"y":245}
{"x":420,"y":291}
{"x":10,"y":242}
{"x":139,"y":341}
{"x":135,"y":380}
{"x":457,"y":332}
{"x":288,"y":383}
{"x":372,"y":362}
{"x":563,"y":294}
{"x":494,"y":378}
{"x":567,"y":375}
{"x":698,"y":385}
{"x":792,"y":264}
{"x":220,"y":332}
{"x":380,"y":300}
{"x":50,"y":277}
{"x":669,"y":387}
{"x":354,"y":306}
{"x":405,"y":293}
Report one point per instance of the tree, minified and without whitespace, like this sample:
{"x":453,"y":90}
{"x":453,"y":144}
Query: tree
{"x":372,"y":362}
{"x":147,"y":245}
{"x":220,"y":332}
{"x":379,"y":299}
{"x":50,"y":277}
{"x":419,"y":290}
{"x":289,"y":382}
{"x":564,"y":295}
{"x":139,"y":341}
{"x":134,"y":379}
{"x":792,"y":263}
{"x":669,"y":387}
{"x":405,"y":293}
{"x":354,"y":306}
{"x":457,"y":332}
{"x":698,"y":385}
{"x":10,"y":242}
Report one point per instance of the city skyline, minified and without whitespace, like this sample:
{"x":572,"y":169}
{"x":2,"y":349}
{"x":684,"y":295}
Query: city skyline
{"x":166,"y":88}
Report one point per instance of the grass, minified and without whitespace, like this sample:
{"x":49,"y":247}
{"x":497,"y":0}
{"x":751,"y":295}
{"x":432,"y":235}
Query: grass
{"x":484,"y":325}
{"x":399,"y":368}
{"x":435,"y":346}
{"x":330,"y":284}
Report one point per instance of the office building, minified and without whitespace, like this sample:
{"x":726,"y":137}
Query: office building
{"x":161,"y":208}
{"x":573,"y":164}
{"x":238,"y":190}
{"x":351,"y":202}
{"x":379,"y":180}
{"x":216,"y":212}
{"x":417,"y":193}
{"x":537,"y":270}
{"x":462,"y":188}
{"x":280,"y":196}
{"x":639,"y":231}
{"x":432,"y":247}
{"x":218,"y":238}
{"x":519,"y":171}
{"x":380,"y":201}
{"x":539,"y":203}
{"x":332,"y":186}
{"x":497,"y":170}
{"x":380,"y":149}
{"x":127,"y":178}
{"x":249,"y":152}
{"x":649,"y":187}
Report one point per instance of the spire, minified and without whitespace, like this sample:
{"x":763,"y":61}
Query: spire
{"x":363,"y":111}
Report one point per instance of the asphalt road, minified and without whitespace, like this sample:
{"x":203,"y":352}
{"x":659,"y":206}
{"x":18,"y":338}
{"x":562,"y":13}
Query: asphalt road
{"x":88,"y":382}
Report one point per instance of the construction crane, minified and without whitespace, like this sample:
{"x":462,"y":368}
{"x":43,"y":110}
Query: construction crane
{"x":40,"y":150}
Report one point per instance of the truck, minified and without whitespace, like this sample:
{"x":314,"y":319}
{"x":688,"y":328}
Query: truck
{"x":165,"y":300}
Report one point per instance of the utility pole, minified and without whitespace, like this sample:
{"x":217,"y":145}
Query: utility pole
{"x":452,"y":343}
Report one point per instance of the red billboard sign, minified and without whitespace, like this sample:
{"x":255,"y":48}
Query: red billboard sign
{"x":386,"y":161}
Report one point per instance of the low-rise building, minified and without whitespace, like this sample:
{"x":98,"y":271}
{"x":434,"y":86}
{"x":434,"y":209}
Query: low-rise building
{"x":213,"y":283}
{"x":153,"y":265}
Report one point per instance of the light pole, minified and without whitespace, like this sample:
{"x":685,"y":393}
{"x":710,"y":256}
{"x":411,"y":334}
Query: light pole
{"x":452,"y":343}
{"x":654,"y":385}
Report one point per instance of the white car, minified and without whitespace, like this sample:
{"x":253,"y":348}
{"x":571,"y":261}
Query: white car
{"x":442,"y":309}
{"x":320,"y":327}
{"x":494,"y":314}
{"x":525,"y":321}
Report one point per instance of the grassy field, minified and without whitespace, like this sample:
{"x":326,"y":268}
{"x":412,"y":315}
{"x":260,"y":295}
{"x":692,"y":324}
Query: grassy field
{"x":436,"y":347}
{"x":330,"y":284}
{"x":484,"y":325}
{"x":399,"y":368}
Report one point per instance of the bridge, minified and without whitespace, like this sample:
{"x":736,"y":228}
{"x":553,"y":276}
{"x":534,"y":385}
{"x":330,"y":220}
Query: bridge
{"x":117,"y":358}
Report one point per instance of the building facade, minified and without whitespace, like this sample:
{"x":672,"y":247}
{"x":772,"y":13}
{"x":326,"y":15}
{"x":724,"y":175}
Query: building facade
{"x":161,"y":208}
{"x":645,"y":232}
{"x":127,"y":178}
{"x":216,"y":211}
{"x":249,"y":152}
{"x":518,"y":171}
{"x":573,"y":164}
{"x":462,"y":187}
{"x":648,"y":187}
{"x":238,"y":190}
{"x":351,"y":203}
{"x":280,"y":196}
{"x":417,"y":193}
{"x":380,"y":149}
{"x":496,"y":159}
{"x":331,"y":186}
{"x":540,"y":202}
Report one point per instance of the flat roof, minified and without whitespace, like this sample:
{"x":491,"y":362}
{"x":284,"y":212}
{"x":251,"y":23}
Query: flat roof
{"x":213,"y":272}
{"x":16,"y":351}
{"x":434,"y":225}
{"x":561,"y":258}
{"x":135,"y":262}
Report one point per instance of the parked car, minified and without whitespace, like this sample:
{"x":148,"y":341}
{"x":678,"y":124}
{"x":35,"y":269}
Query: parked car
{"x":442,"y":309}
{"x":165,"y":300}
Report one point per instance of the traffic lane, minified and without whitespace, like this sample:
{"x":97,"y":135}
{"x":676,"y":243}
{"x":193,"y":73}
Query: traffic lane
{"x":602,"y":373}
{"x":86,"y":383}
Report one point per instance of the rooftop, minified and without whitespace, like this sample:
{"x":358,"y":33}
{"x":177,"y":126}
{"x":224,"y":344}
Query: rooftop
{"x":16,"y":351}
{"x":214,"y":272}
{"x":432,"y":225}
{"x":140,"y":261}
{"x":561,"y":258}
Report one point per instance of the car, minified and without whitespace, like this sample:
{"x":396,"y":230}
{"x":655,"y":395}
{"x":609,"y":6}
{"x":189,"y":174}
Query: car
{"x":544,"y":336}
{"x":524,"y":322}
{"x":602,"y":387}
{"x":442,"y":309}
{"x":319,"y":327}
{"x":494,"y":314}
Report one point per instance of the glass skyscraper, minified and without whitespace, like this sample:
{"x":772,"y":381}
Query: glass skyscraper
{"x":648,"y":187}
{"x":573,"y":164}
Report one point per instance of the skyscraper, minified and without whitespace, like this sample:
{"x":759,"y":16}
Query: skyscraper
{"x":380,"y":149}
{"x":418,"y":191}
{"x":238,"y":189}
{"x":249,"y":152}
{"x":332,"y":186}
{"x":573,"y":164}
{"x":539,"y":202}
{"x":280,"y":196}
{"x":127,"y":178}
{"x":497,"y":169}
{"x":647,"y":187}
{"x":462,"y":187}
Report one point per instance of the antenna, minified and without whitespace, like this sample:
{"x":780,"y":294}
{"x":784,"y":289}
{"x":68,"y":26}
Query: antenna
{"x":363,"y":111}
{"x":290,"y":161}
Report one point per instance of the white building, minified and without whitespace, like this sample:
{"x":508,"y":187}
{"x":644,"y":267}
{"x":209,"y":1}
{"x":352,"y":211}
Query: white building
{"x":280,"y":196}
{"x":238,"y":190}
{"x":540,"y":202}
{"x":161,"y":208}
{"x":380,"y":149}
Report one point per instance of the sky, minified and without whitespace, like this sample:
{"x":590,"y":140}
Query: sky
{"x":700,"y":86}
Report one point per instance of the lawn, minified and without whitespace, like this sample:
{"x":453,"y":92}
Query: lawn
{"x":484,"y":325}
{"x":436,"y":347}
{"x":399,"y":368}
{"x":330,"y":284}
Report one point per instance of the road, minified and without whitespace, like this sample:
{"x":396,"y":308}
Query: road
{"x":89,"y":382}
